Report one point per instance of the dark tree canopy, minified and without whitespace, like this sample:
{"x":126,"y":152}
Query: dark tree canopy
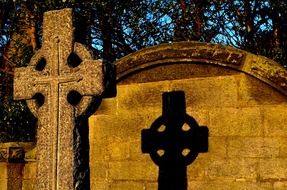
{"x":116,"y":28}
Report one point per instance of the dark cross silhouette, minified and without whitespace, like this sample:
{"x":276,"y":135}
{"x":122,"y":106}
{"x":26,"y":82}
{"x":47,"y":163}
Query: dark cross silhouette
{"x":174,"y":141}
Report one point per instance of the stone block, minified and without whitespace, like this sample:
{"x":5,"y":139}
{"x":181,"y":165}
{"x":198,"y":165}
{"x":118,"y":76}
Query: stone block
{"x":217,"y":147}
{"x":3,"y":154}
{"x":98,"y":152}
{"x":119,"y":150}
{"x":228,"y":185}
{"x":29,"y":184}
{"x":208,"y":92}
{"x":208,"y":185}
{"x":232,"y":169}
{"x":283,"y":147}
{"x":15,"y":170}
{"x":136,"y":152}
{"x":200,"y":115}
{"x":151,"y":186}
{"x":280,"y":185}
{"x":253,"y":147}
{"x":132,"y":170}
{"x":149,"y":115}
{"x":273,"y":169}
{"x":126,"y":185}
{"x":176,"y":71}
{"x":14,"y":184}
{"x":108,"y":106}
{"x":249,"y":122}
{"x":99,"y":185}
{"x":98,"y":135}
{"x":139,"y":96}
{"x":30,"y":170}
{"x":117,"y":137}
{"x":128,"y":125}
{"x":98,"y":128}
{"x":236,"y":122}
{"x":3,"y":184}
{"x":3,"y":169}
{"x":275,"y":121}
{"x":254,"y":92}
{"x":196,"y":170}
{"x":99,"y":170}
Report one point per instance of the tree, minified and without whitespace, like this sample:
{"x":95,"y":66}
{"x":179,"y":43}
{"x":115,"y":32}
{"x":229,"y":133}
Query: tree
{"x":254,"y":25}
{"x":15,"y":118}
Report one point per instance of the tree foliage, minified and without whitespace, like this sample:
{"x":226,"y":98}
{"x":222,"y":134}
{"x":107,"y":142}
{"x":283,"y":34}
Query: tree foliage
{"x":116,"y":28}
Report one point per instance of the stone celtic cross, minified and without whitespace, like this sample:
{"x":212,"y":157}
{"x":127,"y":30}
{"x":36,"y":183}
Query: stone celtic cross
{"x":59,"y":84}
{"x":174,"y":141}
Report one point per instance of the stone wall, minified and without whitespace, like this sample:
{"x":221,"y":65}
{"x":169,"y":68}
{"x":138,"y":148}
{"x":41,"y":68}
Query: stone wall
{"x":246,"y":118}
{"x":247,"y":143}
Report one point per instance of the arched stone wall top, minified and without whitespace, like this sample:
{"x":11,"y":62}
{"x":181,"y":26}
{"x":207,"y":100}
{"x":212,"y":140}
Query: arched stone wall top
{"x":260,"y":67}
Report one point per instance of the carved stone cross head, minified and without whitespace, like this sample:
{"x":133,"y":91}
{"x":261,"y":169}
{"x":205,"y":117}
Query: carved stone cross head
{"x":59,"y":84}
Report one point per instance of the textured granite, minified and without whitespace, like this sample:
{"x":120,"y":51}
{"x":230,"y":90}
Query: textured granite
{"x":46,"y":83}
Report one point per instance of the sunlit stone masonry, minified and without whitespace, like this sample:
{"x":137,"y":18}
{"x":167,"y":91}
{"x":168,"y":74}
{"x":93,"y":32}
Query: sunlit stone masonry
{"x":241,"y":97}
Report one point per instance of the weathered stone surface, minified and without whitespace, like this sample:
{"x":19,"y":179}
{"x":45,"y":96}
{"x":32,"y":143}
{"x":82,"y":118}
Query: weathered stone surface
{"x":29,"y":185}
{"x":3,"y":169}
{"x":249,"y":124}
{"x":16,"y":151}
{"x":199,"y":91}
{"x":30,"y":171}
{"x":3,"y":184}
{"x":127,"y":185}
{"x":217,"y":147}
{"x":3,"y":154}
{"x":232,"y":168}
{"x":132,"y":170}
{"x":100,"y":170}
{"x":275,"y":121}
{"x":252,"y":93}
{"x":283,"y":147}
{"x":200,"y":53}
{"x":273,"y":169}
{"x":59,"y":84}
{"x":280,"y":185}
{"x":175,"y":71}
{"x":268,"y":71}
{"x":180,"y":52}
{"x":101,"y":185}
{"x":14,"y":175}
{"x":229,"y":185}
{"x":251,"y":147}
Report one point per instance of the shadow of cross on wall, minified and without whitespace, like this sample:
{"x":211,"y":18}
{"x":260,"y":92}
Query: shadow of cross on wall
{"x":60,"y":83}
{"x":174,"y":141}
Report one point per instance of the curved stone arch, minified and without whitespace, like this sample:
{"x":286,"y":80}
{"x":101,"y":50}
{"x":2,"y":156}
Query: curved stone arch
{"x":259,"y":67}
